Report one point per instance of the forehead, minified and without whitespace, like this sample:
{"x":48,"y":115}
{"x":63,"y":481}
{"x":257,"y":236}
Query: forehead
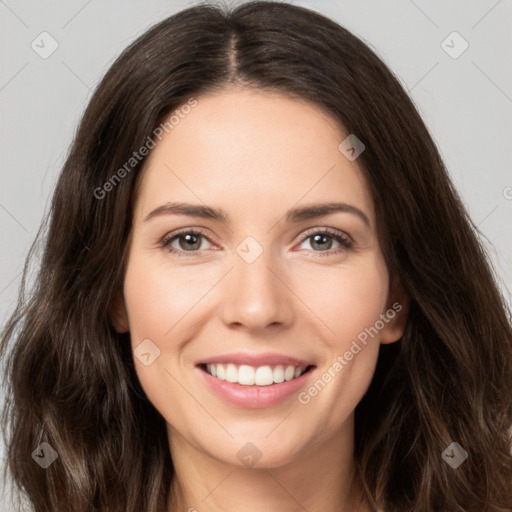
{"x":244,"y":149}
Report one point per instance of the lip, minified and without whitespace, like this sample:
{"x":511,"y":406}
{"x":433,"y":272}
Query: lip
{"x":254,"y":397}
{"x":256,"y":360}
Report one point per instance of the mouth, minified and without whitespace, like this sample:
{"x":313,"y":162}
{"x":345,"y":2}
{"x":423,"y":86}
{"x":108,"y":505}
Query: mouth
{"x":247,"y":375}
{"x":255,"y":381}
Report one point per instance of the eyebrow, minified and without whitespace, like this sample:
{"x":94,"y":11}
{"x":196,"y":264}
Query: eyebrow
{"x":294,"y":215}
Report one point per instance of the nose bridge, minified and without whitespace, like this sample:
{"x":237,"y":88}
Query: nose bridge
{"x":256,"y":296}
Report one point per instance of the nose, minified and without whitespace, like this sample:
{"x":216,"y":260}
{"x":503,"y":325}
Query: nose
{"x":257,"y":295}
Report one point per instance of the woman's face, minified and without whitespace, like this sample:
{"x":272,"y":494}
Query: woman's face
{"x":273,"y":289}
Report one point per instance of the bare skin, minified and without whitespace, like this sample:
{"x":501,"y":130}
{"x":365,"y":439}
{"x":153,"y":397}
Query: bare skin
{"x":255,"y":155}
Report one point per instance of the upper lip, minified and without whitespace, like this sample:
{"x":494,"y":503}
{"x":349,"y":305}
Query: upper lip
{"x":256,"y":360}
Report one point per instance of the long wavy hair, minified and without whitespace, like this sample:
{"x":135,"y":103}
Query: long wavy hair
{"x":70,"y":378}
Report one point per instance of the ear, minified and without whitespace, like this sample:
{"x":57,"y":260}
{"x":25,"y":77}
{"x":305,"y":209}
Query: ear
{"x":395,"y":315}
{"x":118,"y":313}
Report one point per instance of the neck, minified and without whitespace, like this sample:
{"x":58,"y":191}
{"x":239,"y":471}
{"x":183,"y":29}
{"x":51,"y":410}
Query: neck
{"x":320,"y":478}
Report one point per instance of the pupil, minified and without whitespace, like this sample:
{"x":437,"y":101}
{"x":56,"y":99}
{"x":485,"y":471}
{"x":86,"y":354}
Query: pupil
{"x":318,"y":237}
{"x":190,"y":241}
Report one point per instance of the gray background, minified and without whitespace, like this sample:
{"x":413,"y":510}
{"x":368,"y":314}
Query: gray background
{"x":466,"y":102}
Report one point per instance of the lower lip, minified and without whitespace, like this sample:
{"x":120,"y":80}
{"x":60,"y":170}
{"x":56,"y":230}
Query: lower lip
{"x":254,"y":397}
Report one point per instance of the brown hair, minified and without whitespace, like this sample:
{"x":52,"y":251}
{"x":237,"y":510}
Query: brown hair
{"x":70,"y":376}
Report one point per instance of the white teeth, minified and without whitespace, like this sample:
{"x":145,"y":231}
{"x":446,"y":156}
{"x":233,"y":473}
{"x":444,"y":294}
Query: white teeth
{"x":250,"y":375}
{"x":221,"y":371}
{"x":289,"y":373}
{"x":299,"y":371}
{"x":278,"y":374}
{"x":246,"y":375}
{"x":231,"y":373}
{"x":264,"y":376}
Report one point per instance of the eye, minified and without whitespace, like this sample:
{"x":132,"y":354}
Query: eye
{"x":189,"y":241}
{"x":322,"y":239}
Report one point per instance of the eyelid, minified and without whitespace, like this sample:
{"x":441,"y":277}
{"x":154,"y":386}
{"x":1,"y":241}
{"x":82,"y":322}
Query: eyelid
{"x":327,"y":230}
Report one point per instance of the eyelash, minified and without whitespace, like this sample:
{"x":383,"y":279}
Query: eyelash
{"x":344,"y":240}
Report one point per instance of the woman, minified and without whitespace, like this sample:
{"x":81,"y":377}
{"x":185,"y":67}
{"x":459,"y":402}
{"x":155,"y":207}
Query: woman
{"x":195,"y":341}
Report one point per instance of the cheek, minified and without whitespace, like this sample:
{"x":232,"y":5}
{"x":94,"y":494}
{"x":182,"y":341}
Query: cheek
{"x":348,"y":299}
{"x":350,"y":305}
{"x":157,"y":299}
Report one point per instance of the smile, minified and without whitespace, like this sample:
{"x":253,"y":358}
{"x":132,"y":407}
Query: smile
{"x":247,"y":375}
{"x":253,"y":381}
